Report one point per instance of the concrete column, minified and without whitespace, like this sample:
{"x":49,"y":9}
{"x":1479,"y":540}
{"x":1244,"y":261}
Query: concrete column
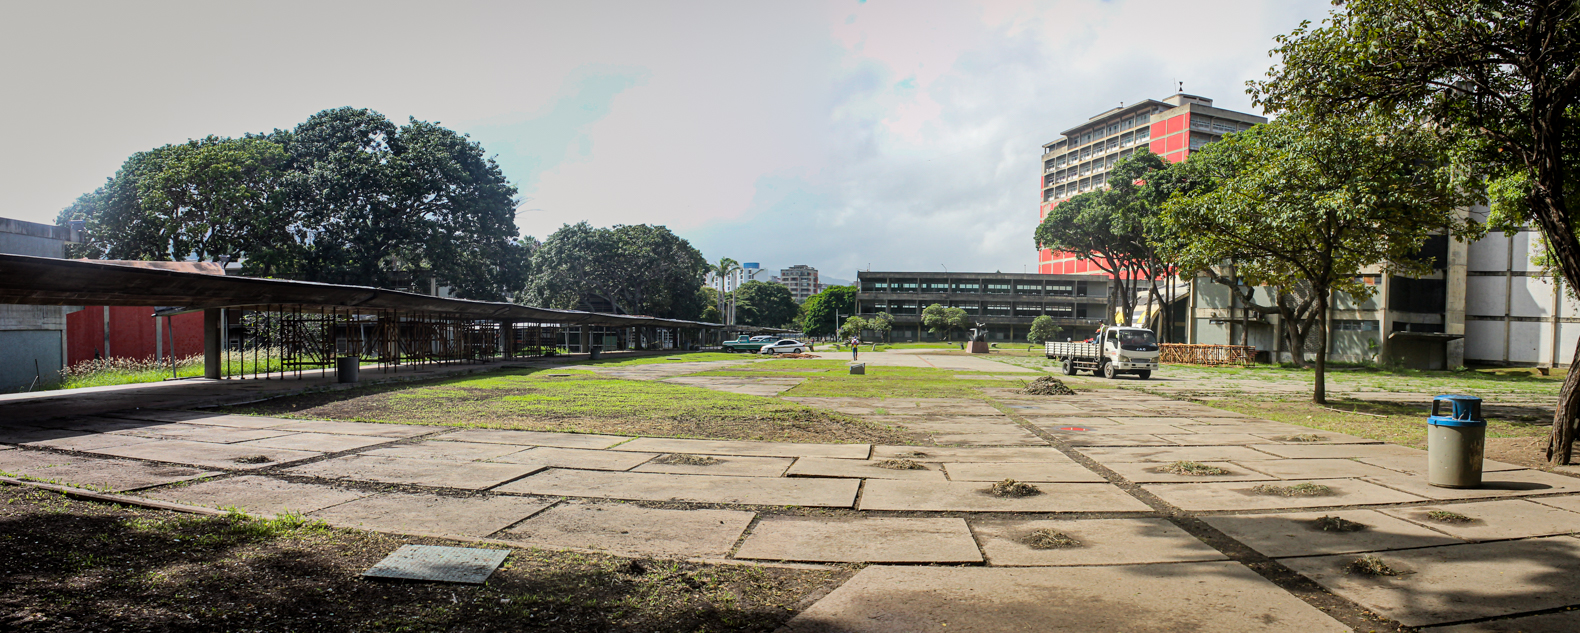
{"x":586,"y":336}
{"x":1454,"y":308}
{"x":1385,"y":319}
{"x":507,"y":339}
{"x":1190,"y":313}
{"x":212,"y":344}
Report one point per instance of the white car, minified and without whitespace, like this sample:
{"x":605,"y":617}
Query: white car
{"x":782,"y":346}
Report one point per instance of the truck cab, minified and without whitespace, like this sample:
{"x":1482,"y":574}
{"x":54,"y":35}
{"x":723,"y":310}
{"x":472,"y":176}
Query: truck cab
{"x":1130,"y":350}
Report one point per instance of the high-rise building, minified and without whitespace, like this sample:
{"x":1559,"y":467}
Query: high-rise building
{"x":1079,"y":160}
{"x":801,"y":280}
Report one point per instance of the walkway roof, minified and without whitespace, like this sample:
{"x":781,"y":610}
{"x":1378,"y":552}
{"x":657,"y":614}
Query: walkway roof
{"x":47,"y":281}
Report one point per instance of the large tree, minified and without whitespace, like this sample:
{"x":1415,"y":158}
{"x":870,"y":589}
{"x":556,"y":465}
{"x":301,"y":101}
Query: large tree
{"x":627,"y":269}
{"x":818,"y":311}
{"x":765,"y":304}
{"x":1293,"y":202}
{"x":942,"y":321}
{"x":1504,"y":73}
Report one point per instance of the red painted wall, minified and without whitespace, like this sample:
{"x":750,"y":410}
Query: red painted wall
{"x":131,"y":333}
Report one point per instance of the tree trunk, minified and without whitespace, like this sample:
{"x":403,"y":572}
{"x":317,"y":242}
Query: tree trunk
{"x":1319,"y":388}
{"x":1552,"y":216}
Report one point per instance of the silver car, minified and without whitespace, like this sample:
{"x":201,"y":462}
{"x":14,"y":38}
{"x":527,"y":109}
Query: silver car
{"x":790,"y":346}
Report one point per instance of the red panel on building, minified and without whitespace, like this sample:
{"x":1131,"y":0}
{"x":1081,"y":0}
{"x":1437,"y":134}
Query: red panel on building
{"x":130,"y":334}
{"x":1176,"y":157}
{"x":1157,"y":146}
{"x":1174,"y":124}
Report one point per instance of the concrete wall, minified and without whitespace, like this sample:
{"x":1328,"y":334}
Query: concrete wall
{"x":32,"y":338}
{"x":1514,"y":314}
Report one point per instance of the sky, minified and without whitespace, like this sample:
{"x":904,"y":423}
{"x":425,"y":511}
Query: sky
{"x":843,"y":134}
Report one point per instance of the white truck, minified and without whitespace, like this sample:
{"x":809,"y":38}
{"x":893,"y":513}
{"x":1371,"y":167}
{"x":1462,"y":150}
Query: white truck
{"x":1115,"y":350}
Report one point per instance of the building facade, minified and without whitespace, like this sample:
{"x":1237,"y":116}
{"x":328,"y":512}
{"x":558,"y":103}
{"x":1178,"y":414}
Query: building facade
{"x":1004,"y":303}
{"x":32,"y":338}
{"x":1080,"y":159}
{"x":801,"y":280}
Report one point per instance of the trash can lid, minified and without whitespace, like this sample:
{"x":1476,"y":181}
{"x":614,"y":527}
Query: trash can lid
{"x":1462,"y":398}
{"x":1443,"y":420}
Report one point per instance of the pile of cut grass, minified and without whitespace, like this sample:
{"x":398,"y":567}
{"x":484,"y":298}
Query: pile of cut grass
{"x":1012,"y":488}
{"x":900,"y":464}
{"x":1195,"y":469}
{"x":684,"y":459}
{"x":1369,"y":565}
{"x":1049,"y":538}
{"x":1306,"y":489}
{"x":1338,"y":524}
{"x":1444,"y":516}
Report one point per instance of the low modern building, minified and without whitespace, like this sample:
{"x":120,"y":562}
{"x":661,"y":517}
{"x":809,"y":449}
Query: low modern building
{"x":801,"y":280}
{"x":32,"y":338}
{"x":1004,"y":303}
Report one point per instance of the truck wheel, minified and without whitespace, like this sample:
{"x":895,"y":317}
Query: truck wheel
{"x":1108,"y":371}
{"x":1144,"y":374}
{"x":1068,"y":367}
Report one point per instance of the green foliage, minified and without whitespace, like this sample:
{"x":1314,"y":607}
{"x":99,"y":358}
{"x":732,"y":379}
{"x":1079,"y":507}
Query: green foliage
{"x":765,"y":304}
{"x":882,"y":324}
{"x":852,"y":327}
{"x":721,"y":271}
{"x":345,"y":197}
{"x":629,"y":269}
{"x":942,"y":322}
{"x":1042,"y":330}
{"x":817,"y":312}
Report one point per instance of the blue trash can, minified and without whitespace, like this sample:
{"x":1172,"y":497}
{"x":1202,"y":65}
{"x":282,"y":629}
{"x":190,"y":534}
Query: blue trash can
{"x":1456,"y":442}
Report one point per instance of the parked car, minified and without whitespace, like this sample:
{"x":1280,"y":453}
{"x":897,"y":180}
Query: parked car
{"x":748,"y":343}
{"x":783,"y":346}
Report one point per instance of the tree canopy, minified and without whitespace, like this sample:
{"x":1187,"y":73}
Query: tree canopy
{"x":1502,"y":74}
{"x":345,"y":197}
{"x":817,"y":312}
{"x":1295,"y":202}
{"x":765,"y":304}
{"x":1042,"y":330}
{"x":942,"y":321}
{"x":625,"y":269}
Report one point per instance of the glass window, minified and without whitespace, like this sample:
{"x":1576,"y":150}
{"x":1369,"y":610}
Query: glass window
{"x":1061,"y":310}
{"x":998,"y":309}
{"x":1028,"y":287}
{"x":967,"y":286}
{"x":971,"y":307}
{"x":1113,"y":144}
{"x":998,"y":288}
{"x":1143,"y":133}
{"x":1061,"y":288}
{"x":907,"y":285}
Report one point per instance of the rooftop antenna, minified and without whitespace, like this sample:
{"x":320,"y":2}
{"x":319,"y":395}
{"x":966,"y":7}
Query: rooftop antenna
{"x":1182,"y":87}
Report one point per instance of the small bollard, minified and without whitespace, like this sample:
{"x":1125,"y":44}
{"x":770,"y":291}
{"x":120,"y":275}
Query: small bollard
{"x":1455,"y":443}
{"x":595,"y":353}
{"x":858,"y":369}
{"x":346,"y":368}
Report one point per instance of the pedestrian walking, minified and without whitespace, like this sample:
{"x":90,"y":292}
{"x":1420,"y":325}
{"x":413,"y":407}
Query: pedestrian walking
{"x":855,"y":346}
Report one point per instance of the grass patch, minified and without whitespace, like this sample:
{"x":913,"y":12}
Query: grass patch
{"x":86,"y":566}
{"x":896,"y":382}
{"x":1399,"y":424}
{"x":1048,"y":538}
{"x":1195,"y":469}
{"x":1304,"y":437}
{"x":1444,"y":516}
{"x":1306,"y":489}
{"x":1337,"y":524}
{"x":667,"y":358}
{"x":1370,"y":566}
{"x":1342,"y":377}
{"x":900,"y":464}
{"x":582,"y":401}
{"x":1012,"y":488}
{"x":683,"y":459}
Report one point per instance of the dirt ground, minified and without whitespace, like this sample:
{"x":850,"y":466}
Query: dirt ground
{"x":73,"y":565}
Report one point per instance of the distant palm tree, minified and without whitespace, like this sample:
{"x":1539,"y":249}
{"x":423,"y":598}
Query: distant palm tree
{"x":723,"y":269}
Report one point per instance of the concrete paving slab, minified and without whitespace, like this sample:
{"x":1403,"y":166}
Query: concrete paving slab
{"x":1570,"y":503}
{"x":1065,"y":471}
{"x":971,"y":454}
{"x":1561,"y":622}
{"x":448,"y":451}
{"x":1123,"y":454}
{"x":1314,"y":468}
{"x":207,"y":454}
{"x":1304,"y":437}
{"x":554,"y":457}
{"x":1458,"y":582}
{"x":732,"y":465}
{"x":432,"y":514}
{"x":962,"y":427}
{"x":534,"y":438}
{"x":1224,"y":597}
{"x":1101,"y":542}
{"x":81,"y":441}
{"x":759,"y":449}
{"x":1338,"y":451}
{"x":971,"y":496}
{"x":1068,"y":430}
{"x":1417,"y":464}
{"x":201,"y":433}
{"x":867,"y":540}
{"x":1494,"y":520}
{"x":1298,"y":534}
{"x":635,"y":531}
{"x":318,"y":442}
{"x":1022,"y":438}
{"x":418,"y":472}
{"x":116,"y":475}
{"x":105,"y":425}
{"x":789,"y":491}
{"x":1242,"y":496}
{"x":1153,"y":473}
{"x":860,"y":468}
{"x":370,"y":429}
{"x":1124,"y":419}
{"x":257,"y":494}
{"x":1213,"y":439}
{"x":1508,"y":483}
{"x":239,"y":421}
{"x":1114,"y":439}
{"x":1081,"y":420}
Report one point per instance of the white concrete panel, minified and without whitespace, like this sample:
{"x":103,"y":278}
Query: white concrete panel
{"x":1524,"y":341}
{"x":1568,"y":306}
{"x":1531,"y":297}
{"x":1522,"y":244}
{"x":1484,"y":340}
{"x":1569,"y":335}
{"x":1489,"y":253}
{"x":1544,"y":350}
{"x":1484,"y":296}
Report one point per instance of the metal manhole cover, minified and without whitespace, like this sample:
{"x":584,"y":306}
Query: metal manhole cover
{"x":441,"y":564}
